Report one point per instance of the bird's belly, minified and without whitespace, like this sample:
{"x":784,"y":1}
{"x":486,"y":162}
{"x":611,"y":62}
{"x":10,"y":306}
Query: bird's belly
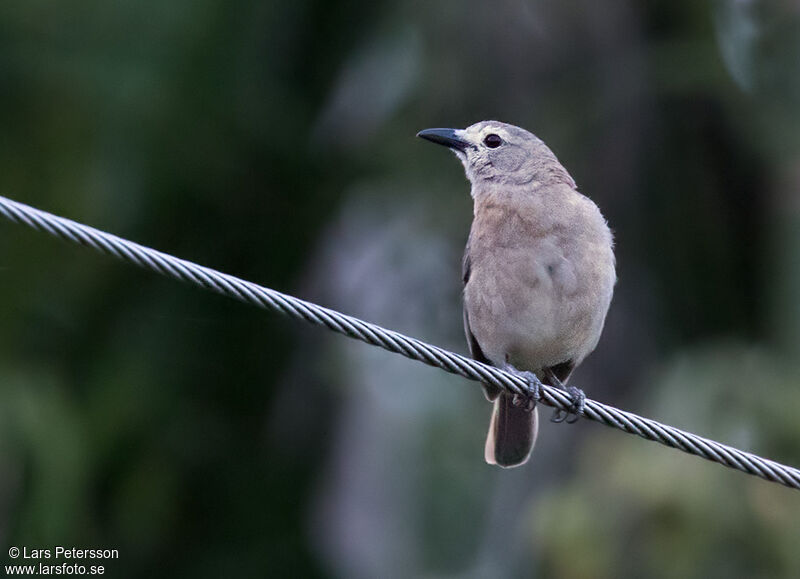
{"x":527,"y":317}
{"x":530,"y":338}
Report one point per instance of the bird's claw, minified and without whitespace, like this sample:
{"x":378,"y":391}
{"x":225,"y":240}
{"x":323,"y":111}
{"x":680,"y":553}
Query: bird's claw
{"x":528,"y":400}
{"x":527,"y":403}
{"x":575,"y":411}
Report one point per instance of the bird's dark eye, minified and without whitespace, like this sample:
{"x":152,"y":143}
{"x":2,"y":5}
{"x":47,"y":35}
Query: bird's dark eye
{"x":492,"y":141}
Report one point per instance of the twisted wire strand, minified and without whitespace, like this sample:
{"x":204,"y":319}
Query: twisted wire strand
{"x":275,"y":301}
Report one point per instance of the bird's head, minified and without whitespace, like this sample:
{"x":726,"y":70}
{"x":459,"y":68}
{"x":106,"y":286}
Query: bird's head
{"x":498,"y":153}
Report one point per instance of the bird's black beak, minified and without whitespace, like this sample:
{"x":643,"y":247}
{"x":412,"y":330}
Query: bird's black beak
{"x":446,"y":137}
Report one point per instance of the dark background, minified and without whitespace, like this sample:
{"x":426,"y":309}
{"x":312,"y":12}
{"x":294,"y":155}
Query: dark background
{"x":275,"y":141}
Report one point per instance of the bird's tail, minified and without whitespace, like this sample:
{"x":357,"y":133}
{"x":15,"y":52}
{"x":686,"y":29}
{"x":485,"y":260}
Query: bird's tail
{"x":512,"y":433}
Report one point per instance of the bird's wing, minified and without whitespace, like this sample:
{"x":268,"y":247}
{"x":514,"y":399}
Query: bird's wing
{"x":466,"y":264}
{"x":475,"y":351}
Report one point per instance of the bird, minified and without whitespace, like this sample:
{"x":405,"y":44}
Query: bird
{"x":538,"y":271}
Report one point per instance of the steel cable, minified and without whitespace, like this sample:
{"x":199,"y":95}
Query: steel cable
{"x":272,"y":300}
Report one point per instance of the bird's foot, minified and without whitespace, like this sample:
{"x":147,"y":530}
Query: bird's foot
{"x":529,"y":399}
{"x":575,"y":410}
{"x":577,"y":398}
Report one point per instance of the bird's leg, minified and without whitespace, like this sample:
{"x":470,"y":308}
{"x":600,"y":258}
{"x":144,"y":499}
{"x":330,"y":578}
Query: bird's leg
{"x":577,"y":396}
{"x":531,"y":397}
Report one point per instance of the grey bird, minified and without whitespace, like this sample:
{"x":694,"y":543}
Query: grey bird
{"x":538,"y":272}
